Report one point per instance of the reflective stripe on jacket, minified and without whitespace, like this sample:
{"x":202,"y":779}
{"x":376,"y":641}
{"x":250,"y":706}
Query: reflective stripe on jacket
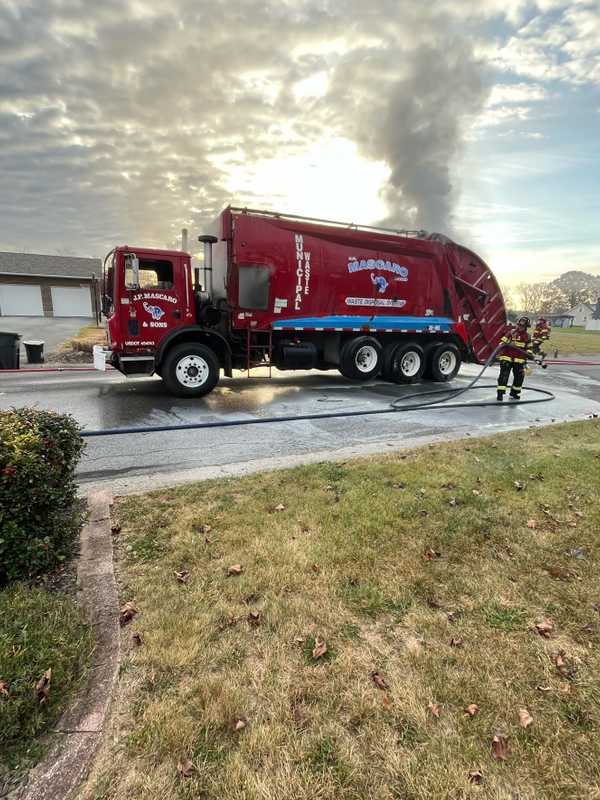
{"x":520,"y":339}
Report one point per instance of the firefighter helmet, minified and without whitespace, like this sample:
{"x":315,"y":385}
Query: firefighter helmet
{"x":524,"y":322}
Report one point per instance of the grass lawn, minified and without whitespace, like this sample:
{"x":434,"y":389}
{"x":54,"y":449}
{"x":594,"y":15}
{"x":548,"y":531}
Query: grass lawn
{"x":376,"y":632}
{"x":44,"y":650}
{"x":573,"y":340}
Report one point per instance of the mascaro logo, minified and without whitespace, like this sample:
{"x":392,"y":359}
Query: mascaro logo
{"x":356,"y":265}
{"x":156,"y":312}
{"x":380,"y":282}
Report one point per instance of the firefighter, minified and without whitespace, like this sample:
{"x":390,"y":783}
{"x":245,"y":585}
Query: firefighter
{"x":517,"y":349}
{"x":541,"y":334}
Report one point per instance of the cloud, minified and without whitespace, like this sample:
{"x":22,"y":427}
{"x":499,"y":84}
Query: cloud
{"x":124,"y":120}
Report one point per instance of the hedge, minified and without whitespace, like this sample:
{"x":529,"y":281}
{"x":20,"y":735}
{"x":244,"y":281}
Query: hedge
{"x":39,"y":513}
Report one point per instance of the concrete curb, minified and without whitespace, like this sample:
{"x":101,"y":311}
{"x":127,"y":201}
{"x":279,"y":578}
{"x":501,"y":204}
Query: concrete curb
{"x":79,"y":731}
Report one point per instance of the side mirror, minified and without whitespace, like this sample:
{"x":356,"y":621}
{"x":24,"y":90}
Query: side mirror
{"x":132,"y":272}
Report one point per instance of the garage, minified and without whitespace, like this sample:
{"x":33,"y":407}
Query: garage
{"x":71,"y":301}
{"x":36,"y":285}
{"x":18,"y":300}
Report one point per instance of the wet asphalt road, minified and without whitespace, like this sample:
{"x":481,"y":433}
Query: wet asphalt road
{"x":145,"y":461}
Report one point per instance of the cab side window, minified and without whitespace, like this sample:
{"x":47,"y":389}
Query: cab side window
{"x":154,"y":274}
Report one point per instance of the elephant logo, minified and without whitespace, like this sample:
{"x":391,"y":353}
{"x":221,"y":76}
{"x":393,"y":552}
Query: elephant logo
{"x":380,"y":282}
{"x":156,"y":312}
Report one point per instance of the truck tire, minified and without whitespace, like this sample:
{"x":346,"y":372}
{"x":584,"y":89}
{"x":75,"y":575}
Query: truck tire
{"x":360,"y":358}
{"x":190,"y":370}
{"x":443,"y":362}
{"x":404,"y":362}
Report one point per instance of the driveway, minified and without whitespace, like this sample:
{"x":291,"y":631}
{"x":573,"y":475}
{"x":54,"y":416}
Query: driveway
{"x":51,"y":330}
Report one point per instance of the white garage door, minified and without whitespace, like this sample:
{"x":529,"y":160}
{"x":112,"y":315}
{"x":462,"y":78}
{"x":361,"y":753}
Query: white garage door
{"x":71,"y":301}
{"x":20,"y":301}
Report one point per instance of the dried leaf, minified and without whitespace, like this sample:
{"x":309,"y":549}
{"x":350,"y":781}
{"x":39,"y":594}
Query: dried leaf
{"x":42,"y":687}
{"x":422,"y":491}
{"x":472,"y":709}
{"x":453,"y":501}
{"x":185,"y":768}
{"x":476,"y":777}
{"x":387,"y":703}
{"x":431,"y":554}
{"x":544,"y":688}
{"x":518,"y":486}
{"x":235,"y":569}
{"x":379,"y":681}
{"x":456,"y":641}
{"x":559,"y":659}
{"x":115,"y":529}
{"x":4,"y":687}
{"x":204,"y":529}
{"x":544,"y":627}
{"x":127,"y":613}
{"x":531,"y":523}
{"x":316,"y":568}
{"x":500,"y":748}
{"x":254,"y":619}
{"x":136,"y":638}
{"x":398,"y":486}
{"x":240,"y":724}
{"x":525,"y":718}
{"x":280,"y":507}
{"x":476,"y":492}
{"x":182,"y":576}
{"x":434,"y":708}
{"x":319,"y":649}
{"x":589,"y":628}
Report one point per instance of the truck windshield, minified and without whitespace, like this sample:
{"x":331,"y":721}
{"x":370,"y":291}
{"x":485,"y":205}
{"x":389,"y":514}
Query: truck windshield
{"x":154,"y":274}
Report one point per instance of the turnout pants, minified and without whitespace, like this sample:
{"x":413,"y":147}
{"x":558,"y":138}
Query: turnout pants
{"x":518,"y":371}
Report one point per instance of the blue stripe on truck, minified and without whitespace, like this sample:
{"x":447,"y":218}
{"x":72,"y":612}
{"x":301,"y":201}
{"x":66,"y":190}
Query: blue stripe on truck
{"x":374,"y":323}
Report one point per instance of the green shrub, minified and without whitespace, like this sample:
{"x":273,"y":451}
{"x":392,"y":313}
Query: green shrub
{"x":39,"y":514}
{"x":38,"y":631}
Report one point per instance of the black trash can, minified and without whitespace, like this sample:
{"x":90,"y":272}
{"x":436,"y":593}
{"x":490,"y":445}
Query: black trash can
{"x":9,"y":350}
{"x":35,"y":351}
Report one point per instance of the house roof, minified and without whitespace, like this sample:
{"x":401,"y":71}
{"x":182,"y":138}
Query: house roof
{"x":48,"y":266}
{"x":585,"y":305}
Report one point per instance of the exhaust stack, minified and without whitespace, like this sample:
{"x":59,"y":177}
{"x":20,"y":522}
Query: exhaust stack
{"x":208,"y":242}
{"x":184,"y":240}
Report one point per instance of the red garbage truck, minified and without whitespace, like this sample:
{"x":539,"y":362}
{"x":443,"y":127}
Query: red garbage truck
{"x":291,"y":292}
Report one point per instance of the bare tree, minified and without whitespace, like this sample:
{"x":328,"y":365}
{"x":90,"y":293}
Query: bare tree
{"x":541,"y":297}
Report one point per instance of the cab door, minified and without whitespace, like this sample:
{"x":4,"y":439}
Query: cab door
{"x":158,"y":303}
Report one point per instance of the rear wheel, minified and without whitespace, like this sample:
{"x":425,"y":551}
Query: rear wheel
{"x":444,"y":362}
{"x":403,"y":363}
{"x":360,"y":358}
{"x":190,"y":370}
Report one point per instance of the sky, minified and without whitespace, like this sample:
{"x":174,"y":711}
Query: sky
{"x":123,"y":121}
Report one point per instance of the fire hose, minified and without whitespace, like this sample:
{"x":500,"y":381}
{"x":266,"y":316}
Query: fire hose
{"x":393,"y":407}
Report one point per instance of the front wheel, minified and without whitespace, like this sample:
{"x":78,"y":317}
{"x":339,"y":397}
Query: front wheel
{"x":190,"y":370}
{"x":444,"y":362}
{"x":403,"y":363}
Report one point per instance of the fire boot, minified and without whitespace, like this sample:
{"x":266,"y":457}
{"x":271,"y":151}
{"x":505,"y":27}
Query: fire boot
{"x":515,"y":395}
{"x":500,"y":396}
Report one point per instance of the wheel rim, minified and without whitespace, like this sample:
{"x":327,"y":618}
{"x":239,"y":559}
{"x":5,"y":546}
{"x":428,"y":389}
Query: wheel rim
{"x":192,"y":371}
{"x":366,"y":358}
{"x":447,"y":362}
{"x":410,"y":364}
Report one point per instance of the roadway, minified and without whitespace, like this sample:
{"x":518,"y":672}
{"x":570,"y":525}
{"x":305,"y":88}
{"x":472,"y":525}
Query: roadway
{"x":141,"y":462}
